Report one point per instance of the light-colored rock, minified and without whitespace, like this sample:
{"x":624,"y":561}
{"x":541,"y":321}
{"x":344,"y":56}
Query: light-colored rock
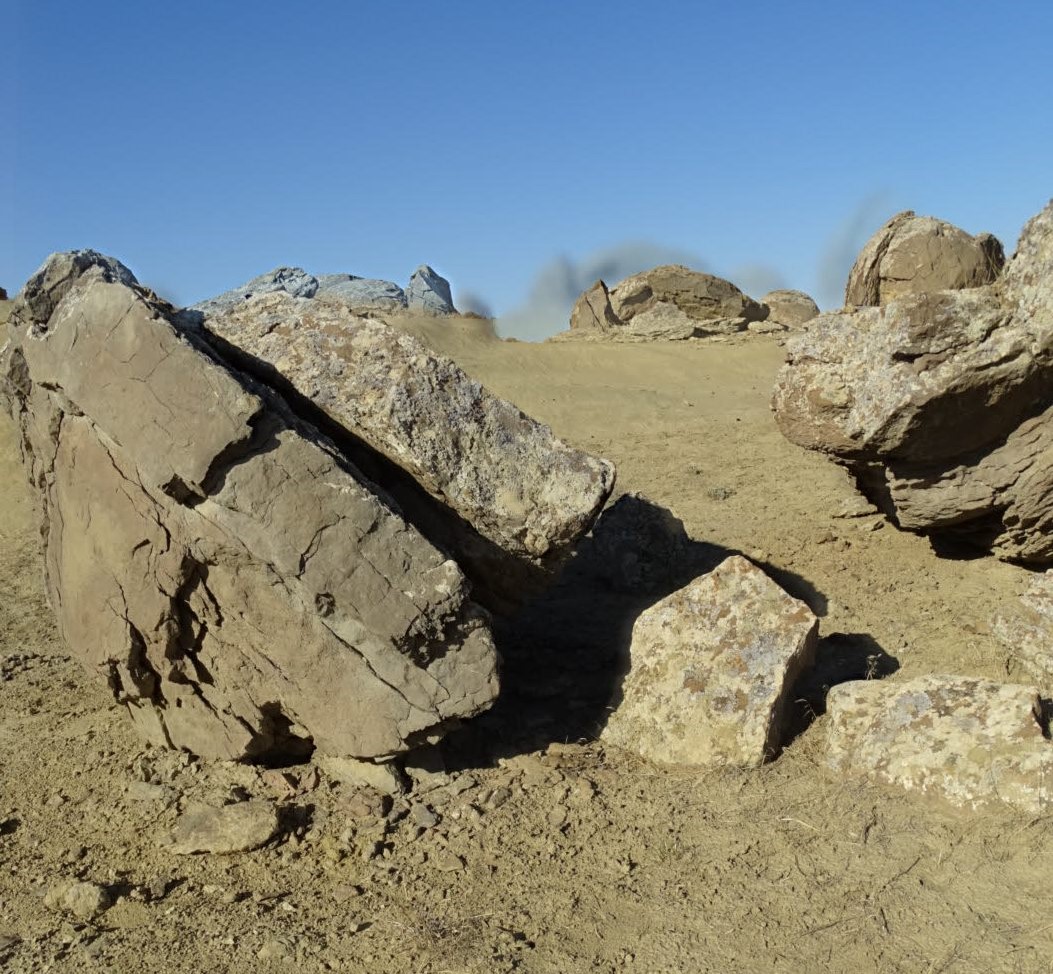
{"x":789,"y":308}
{"x":84,"y":900}
{"x":289,"y":280}
{"x":969,"y":741}
{"x":939,"y":404}
{"x":712,"y":668}
{"x":1026,"y":629}
{"x":240,"y":586}
{"x":384,"y":777}
{"x":520,"y":498}
{"x":592,"y":311}
{"x":429,"y":292}
{"x":361,"y":293}
{"x":225,"y":829}
{"x":920,"y":254}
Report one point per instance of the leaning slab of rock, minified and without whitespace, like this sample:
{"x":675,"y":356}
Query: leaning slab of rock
{"x":969,"y":741}
{"x":789,"y":308}
{"x":241,"y":586}
{"x":920,"y":254}
{"x":712,"y":668}
{"x":592,"y":311}
{"x":290,"y":280}
{"x":1026,"y":629}
{"x":941,"y":405}
{"x":361,"y":293}
{"x":225,"y":829}
{"x":429,"y":292}
{"x":507,"y":491}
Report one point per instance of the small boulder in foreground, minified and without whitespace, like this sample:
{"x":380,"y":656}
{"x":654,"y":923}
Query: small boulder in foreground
{"x":712,"y":670}
{"x":224,"y":830}
{"x":969,"y":741}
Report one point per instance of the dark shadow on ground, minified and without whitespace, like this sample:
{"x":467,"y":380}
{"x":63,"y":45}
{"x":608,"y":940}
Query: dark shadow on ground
{"x":565,"y":653}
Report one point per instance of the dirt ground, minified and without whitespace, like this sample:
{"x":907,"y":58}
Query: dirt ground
{"x":538,"y":850}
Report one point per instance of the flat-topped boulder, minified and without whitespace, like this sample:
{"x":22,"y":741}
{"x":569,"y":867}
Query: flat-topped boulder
{"x":291,"y":280}
{"x":970,"y":742}
{"x":941,"y":404}
{"x":712,"y":669}
{"x":918,"y":255}
{"x":242,"y":588}
{"x":361,"y":293}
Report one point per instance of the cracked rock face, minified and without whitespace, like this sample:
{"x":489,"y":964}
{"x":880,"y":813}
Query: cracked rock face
{"x":941,"y":404}
{"x":242,"y":586}
{"x":968,"y":741}
{"x":483,"y":480}
{"x":429,"y":292}
{"x":920,"y":254}
{"x":712,"y":667}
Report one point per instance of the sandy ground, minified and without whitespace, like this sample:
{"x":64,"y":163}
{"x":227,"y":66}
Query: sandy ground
{"x":548,"y":852}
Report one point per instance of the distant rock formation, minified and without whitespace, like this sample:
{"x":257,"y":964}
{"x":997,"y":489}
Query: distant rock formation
{"x":941,"y":403}
{"x":427,"y":291}
{"x":3,"y":294}
{"x":920,"y":254}
{"x":215,"y":549}
{"x":789,"y":308}
{"x":669,"y":303}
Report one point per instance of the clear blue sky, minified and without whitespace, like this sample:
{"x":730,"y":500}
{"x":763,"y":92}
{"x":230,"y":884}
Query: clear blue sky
{"x":205,"y":142}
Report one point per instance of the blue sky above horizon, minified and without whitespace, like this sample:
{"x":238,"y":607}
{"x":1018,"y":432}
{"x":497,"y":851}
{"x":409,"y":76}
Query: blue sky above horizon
{"x":205,"y":143}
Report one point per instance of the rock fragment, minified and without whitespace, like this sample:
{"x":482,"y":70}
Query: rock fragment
{"x":712,"y":667}
{"x":224,"y":830}
{"x":361,"y":294}
{"x":83,"y":899}
{"x":429,"y":292}
{"x":290,"y":280}
{"x":1026,"y":629}
{"x":789,"y":308}
{"x":592,"y":311}
{"x":920,"y":254}
{"x":969,"y":741}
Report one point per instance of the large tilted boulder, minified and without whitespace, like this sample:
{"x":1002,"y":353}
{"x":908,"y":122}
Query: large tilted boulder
{"x":483,"y":480}
{"x":968,"y":741}
{"x":941,"y":404}
{"x":669,"y":303}
{"x":429,"y":292}
{"x":920,"y":254}
{"x":712,"y":669}
{"x":240,"y":585}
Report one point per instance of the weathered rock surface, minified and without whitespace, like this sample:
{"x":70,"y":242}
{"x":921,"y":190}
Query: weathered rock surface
{"x":941,"y":404}
{"x":712,"y":669}
{"x":84,"y":900}
{"x":789,"y":308}
{"x":969,"y":741}
{"x":1026,"y":629}
{"x":429,"y":292}
{"x":242,"y":587}
{"x":669,"y":303}
{"x":291,"y":280}
{"x":225,"y":829}
{"x":920,"y":254}
{"x":361,"y":293}
{"x":508,"y":491}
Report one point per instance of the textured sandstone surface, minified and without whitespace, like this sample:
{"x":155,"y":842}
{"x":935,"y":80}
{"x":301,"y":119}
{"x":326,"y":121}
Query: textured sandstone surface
{"x":592,"y":311}
{"x":969,"y":741}
{"x":504,"y":475}
{"x":1026,"y":628}
{"x":920,"y":254}
{"x":243,"y":589}
{"x":712,"y":667}
{"x":940,"y":403}
{"x":789,"y":308}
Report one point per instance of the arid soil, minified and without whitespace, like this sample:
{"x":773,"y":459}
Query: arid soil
{"x":539,"y":850}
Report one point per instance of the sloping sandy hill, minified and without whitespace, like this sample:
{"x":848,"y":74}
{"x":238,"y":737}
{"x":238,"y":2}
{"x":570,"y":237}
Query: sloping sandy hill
{"x":551,"y":856}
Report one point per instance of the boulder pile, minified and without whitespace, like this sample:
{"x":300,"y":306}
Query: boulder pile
{"x":214,"y":547}
{"x":674,"y":303}
{"x":939,"y":402}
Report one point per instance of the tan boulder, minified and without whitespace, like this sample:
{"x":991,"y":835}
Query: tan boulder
{"x":789,"y":308}
{"x":920,"y":254}
{"x":712,"y":668}
{"x":968,"y":741}
{"x":593,"y":312}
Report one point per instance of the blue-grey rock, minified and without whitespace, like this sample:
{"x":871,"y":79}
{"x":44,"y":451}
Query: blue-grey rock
{"x":293,"y":280}
{"x":430,"y":293}
{"x":362,"y":293}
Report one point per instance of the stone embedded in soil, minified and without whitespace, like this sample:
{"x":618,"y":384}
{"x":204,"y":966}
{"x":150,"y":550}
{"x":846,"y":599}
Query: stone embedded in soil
{"x":224,"y":830}
{"x":242,"y":587}
{"x":712,"y":667}
{"x":490,"y":484}
{"x":969,"y":741}
{"x":1026,"y":629}
{"x":84,"y":900}
{"x":940,"y":404}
